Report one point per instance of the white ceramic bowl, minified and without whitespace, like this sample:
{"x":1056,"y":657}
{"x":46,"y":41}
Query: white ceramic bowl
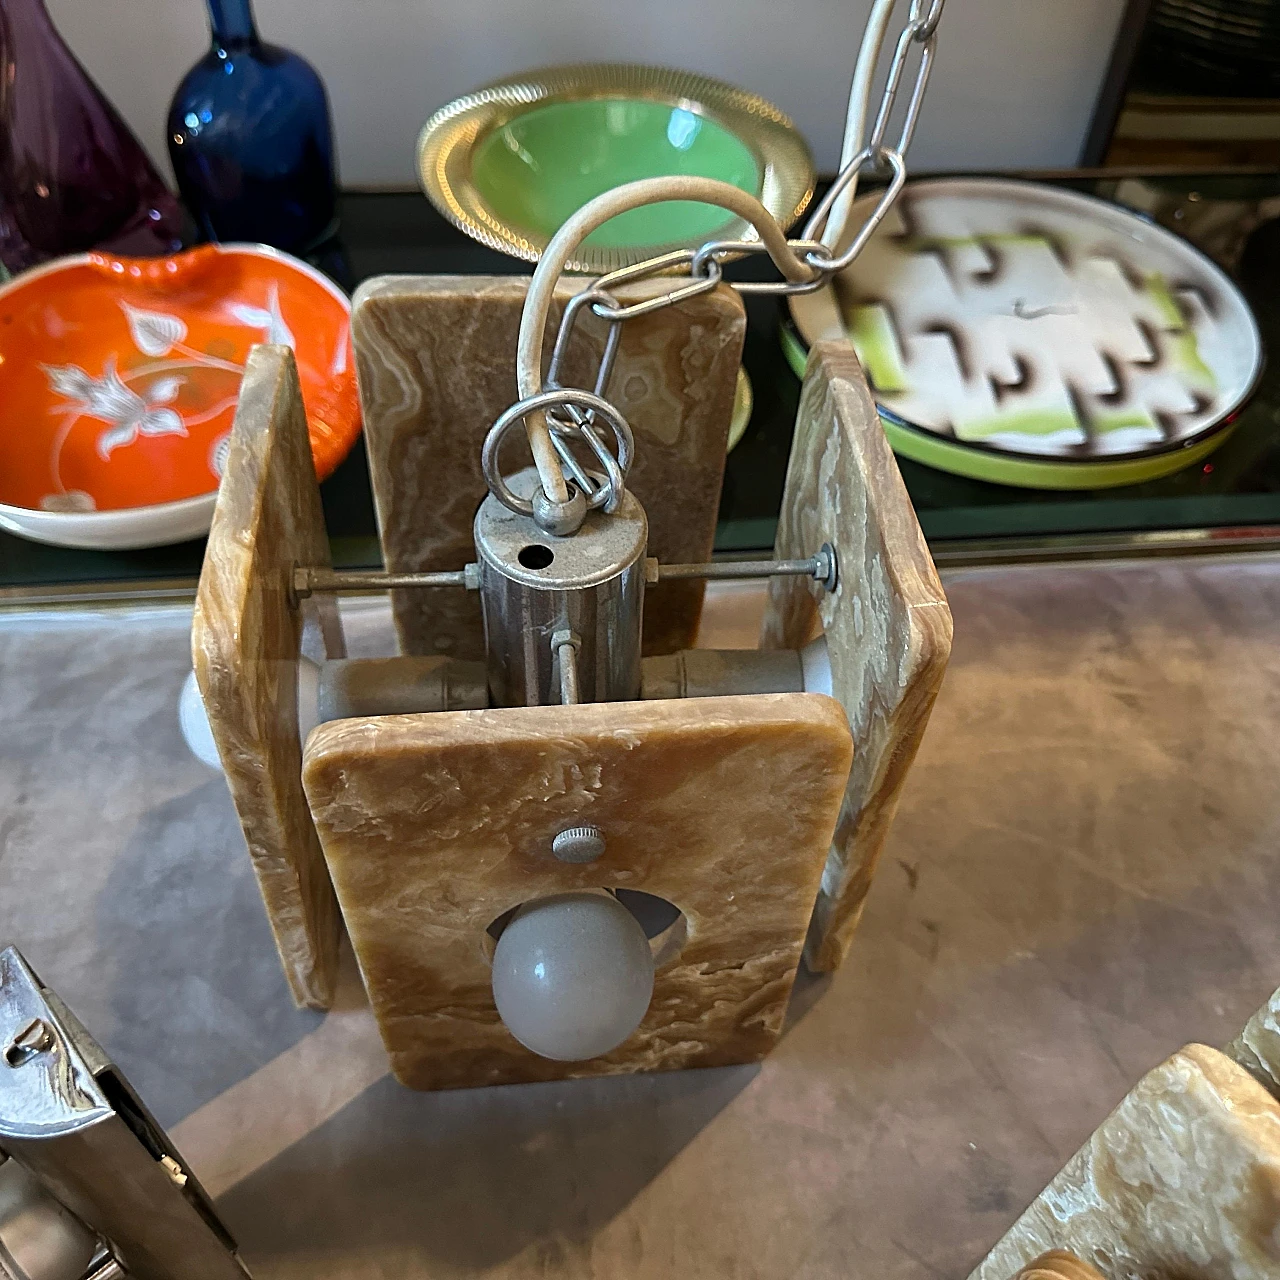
{"x":127,"y":529}
{"x":119,"y":379}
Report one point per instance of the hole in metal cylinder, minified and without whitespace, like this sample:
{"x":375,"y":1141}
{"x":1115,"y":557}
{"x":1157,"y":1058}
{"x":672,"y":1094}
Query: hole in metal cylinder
{"x":535,"y":556}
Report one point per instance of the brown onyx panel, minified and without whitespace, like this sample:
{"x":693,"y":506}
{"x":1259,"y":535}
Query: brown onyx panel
{"x":1257,"y":1047}
{"x":436,"y":357}
{"x":1058,"y":1264}
{"x":435,"y":825}
{"x":246,"y":639}
{"x":887,"y":624}
{"x":1181,"y":1179}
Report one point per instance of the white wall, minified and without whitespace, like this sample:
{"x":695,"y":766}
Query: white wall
{"x":1014,"y":84}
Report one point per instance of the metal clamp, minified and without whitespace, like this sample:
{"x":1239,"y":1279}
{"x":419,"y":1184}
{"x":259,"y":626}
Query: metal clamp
{"x":90,"y":1179}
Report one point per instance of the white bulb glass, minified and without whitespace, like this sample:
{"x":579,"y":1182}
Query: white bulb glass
{"x":572,"y":976}
{"x":195,"y":724}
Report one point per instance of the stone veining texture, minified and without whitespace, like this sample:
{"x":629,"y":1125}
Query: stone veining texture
{"x":1257,"y":1047}
{"x":1181,"y":1180}
{"x":1058,"y":1264}
{"x":436,"y":358}
{"x":245,"y":642}
{"x":435,"y":825}
{"x":887,"y":624}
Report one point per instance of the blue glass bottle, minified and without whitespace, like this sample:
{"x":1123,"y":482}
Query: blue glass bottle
{"x":251,"y":139}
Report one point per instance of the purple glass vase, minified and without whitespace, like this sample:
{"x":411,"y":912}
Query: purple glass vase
{"x":72,"y":175}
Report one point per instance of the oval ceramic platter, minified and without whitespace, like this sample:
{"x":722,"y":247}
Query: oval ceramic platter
{"x":511,"y":162}
{"x":119,"y":379}
{"x":1032,"y":336}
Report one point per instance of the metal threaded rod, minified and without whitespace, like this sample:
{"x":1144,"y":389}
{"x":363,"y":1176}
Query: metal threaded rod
{"x":736,"y":569}
{"x":308,"y":581}
{"x":821,"y":566}
{"x":565,"y":645}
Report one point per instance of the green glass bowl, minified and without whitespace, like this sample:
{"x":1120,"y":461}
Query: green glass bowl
{"x":510,"y":163}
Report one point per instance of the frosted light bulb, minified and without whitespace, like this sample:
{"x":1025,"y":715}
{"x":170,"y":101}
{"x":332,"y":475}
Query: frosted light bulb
{"x":194,"y":719}
{"x":572,"y":976}
{"x":195,"y":724}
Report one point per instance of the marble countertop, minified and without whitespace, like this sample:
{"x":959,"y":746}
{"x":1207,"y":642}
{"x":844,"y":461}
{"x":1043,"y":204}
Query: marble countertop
{"x":1082,"y":878}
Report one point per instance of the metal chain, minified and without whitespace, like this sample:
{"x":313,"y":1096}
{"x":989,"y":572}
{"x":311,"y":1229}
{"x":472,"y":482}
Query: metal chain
{"x":580,"y":422}
{"x":571,"y":413}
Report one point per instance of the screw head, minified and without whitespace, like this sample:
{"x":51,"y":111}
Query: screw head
{"x":35,"y":1038}
{"x":579,"y":844}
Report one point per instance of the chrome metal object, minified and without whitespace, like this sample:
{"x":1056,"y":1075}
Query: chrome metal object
{"x":703,"y":281}
{"x":921,"y":31}
{"x":581,"y":424}
{"x":108,"y":1270}
{"x":564,"y":649}
{"x":813,"y":253}
{"x":888,"y":198}
{"x":617,"y":466}
{"x":307,"y":581}
{"x":533,"y":586}
{"x":718,"y":673}
{"x":404,"y":685}
{"x":39,"y":1238}
{"x":73,"y":1123}
{"x":34,"y":1038}
{"x":823,"y":566}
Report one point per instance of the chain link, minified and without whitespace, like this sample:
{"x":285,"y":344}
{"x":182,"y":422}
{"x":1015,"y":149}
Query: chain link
{"x":701,"y":282}
{"x":579,"y":423}
{"x":571,"y":414}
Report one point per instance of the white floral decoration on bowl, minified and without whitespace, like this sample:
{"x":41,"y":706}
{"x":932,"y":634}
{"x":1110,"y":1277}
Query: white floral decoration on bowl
{"x":268,"y":318}
{"x":153,"y":384}
{"x":218,"y":453}
{"x":108,"y":399}
{"x":155,"y":333}
{"x":71,"y":501}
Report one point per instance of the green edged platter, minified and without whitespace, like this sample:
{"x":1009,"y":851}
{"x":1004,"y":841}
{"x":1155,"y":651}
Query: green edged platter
{"x":1032,"y":336}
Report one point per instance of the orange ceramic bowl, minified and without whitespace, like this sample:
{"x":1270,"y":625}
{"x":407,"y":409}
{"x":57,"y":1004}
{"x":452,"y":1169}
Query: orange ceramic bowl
{"x":118,"y":385}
